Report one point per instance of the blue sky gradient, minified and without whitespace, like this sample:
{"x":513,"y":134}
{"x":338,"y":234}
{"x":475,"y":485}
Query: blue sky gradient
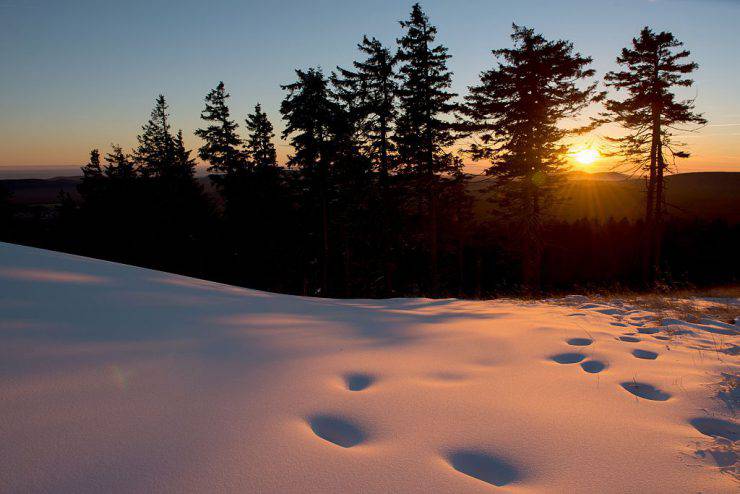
{"x":78,"y":74}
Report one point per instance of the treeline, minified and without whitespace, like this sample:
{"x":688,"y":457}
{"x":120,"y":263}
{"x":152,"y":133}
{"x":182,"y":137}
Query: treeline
{"x":375,"y":202}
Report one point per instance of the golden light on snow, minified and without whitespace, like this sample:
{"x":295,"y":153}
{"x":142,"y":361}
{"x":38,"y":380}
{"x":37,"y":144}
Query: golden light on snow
{"x":586,"y":156}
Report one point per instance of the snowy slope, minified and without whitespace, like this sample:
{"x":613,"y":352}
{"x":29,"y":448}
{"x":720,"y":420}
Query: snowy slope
{"x":121,"y":379}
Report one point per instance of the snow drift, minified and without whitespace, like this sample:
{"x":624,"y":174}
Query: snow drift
{"x":121,"y":379}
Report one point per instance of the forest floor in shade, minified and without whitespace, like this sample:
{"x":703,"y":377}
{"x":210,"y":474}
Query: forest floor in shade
{"x":121,"y":379}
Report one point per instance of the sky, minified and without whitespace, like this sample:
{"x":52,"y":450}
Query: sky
{"x":82,"y":74}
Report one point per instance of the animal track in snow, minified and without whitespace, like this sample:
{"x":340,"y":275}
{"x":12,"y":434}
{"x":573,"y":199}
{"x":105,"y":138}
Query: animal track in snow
{"x":645,"y":354}
{"x":337,"y":430}
{"x":646,"y":391}
{"x":484,"y":467}
{"x":580,"y":341}
{"x":358,"y":381}
{"x":568,"y":358}
{"x":629,"y":339}
{"x":593,"y":366}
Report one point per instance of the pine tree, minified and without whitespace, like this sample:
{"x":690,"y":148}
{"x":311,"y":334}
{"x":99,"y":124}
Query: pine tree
{"x":517,"y":114}
{"x":260,"y":148}
{"x":90,"y":188}
{"x":267,"y":208}
{"x":119,"y":165}
{"x":93,"y":169}
{"x":221,"y":147}
{"x":154,"y":155}
{"x":653,"y":68}
{"x":368,"y":93}
{"x":172,"y":206}
{"x":422,"y":131}
{"x":183,"y":164}
{"x":316,"y":126}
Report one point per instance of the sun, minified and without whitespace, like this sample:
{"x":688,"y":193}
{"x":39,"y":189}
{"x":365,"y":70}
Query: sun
{"x":586,"y":156}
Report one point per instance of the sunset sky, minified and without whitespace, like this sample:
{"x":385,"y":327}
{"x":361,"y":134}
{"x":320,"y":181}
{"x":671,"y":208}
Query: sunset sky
{"x":79,"y":74}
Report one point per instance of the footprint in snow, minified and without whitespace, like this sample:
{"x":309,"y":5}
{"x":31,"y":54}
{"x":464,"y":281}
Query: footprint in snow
{"x":645,"y":354}
{"x":337,"y":430}
{"x":646,"y":391}
{"x":716,"y":428}
{"x":579,"y":341}
{"x":358,"y":381}
{"x":484,"y":467}
{"x":444,"y":378}
{"x":648,"y":330}
{"x":568,"y":358}
{"x":593,"y":366}
{"x":629,"y":339}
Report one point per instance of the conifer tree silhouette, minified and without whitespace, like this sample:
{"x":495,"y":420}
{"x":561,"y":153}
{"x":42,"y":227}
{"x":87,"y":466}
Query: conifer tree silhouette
{"x":652,"y":68}
{"x":422,"y":131}
{"x":517,"y":113}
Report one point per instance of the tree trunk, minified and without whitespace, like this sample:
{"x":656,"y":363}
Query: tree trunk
{"x":478,"y":275}
{"x":432,"y":191}
{"x":648,"y":264}
{"x":460,"y":261}
{"x":434,"y":275}
{"x":347,"y":264}
{"x":659,"y":203}
{"x":384,"y":211}
{"x":532,"y":233}
{"x":325,"y":236}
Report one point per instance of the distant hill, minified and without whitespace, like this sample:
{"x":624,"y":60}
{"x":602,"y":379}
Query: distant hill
{"x":581,"y":175}
{"x":27,"y":191}
{"x":705,"y":195}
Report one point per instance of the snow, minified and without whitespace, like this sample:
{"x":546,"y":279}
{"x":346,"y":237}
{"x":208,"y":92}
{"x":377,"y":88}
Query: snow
{"x":121,"y":379}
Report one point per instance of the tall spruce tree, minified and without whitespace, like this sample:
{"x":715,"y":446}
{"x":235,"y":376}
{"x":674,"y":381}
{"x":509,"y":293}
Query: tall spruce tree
{"x":91,"y":186}
{"x":183,"y":164}
{"x":423,"y":131}
{"x":368,"y":92}
{"x":221,"y":148}
{"x":173,"y":206}
{"x":119,"y":165}
{"x":267,"y":213}
{"x":154,"y":154}
{"x":652,"y":69}
{"x":94,"y":188}
{"x":260,"y":148}
{"x":316,"y":126}
{"x":517,"y":114}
